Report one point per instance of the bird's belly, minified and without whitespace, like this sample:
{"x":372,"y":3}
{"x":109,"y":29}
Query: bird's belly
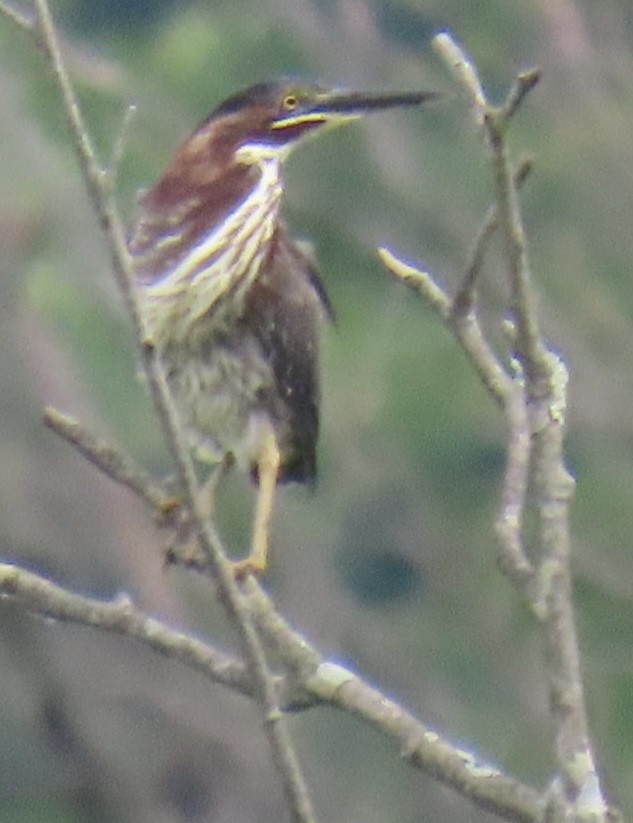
{"x":221,"y":393}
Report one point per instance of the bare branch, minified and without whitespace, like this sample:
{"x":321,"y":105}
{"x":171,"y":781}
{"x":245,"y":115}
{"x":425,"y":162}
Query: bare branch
{"x":312,"y":681}
{"x":418,"y":280}
{"x":530,"y":348}
{"x":554,"y":488}
{"x":458,"y":313}
{"x":424,"y":749}
{"x":326,"y":684}
{"x":536,"y":420}
{"x":529,"y":343}
{"x":534,"y":404}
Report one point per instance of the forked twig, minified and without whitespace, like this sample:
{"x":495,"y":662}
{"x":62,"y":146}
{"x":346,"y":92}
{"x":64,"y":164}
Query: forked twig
{"x":533,"y":398}
{"x":465,"y":295}
{"x":535,"y":411}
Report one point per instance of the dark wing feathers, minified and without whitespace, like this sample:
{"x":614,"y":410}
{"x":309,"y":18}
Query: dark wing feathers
{"x":285,"y":310}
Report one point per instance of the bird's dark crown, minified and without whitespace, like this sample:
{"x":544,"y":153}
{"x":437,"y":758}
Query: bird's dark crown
{"x":270,"y":94}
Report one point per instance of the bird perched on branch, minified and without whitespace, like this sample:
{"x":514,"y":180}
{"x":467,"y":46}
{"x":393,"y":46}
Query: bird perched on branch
{"x":232,"y":304}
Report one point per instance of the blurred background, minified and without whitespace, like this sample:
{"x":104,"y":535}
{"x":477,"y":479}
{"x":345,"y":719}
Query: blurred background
{"x":389,"y":567}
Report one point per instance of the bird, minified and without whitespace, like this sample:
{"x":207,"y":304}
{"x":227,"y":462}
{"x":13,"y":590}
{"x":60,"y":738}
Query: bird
{"x":231,"y":303}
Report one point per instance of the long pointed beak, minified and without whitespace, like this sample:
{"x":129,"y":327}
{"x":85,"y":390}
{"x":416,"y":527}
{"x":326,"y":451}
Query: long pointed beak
{"x":357,"y":103}
{"x":338,"y":107}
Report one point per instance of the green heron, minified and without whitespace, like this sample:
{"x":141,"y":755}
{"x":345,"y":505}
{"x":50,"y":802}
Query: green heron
{"x":231,"y":302}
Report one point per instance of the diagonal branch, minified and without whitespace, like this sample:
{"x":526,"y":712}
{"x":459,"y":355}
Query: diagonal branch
{"x":120,"y":616}
{"x":424,"y":749}
{"x":421,"y":747}
{"x":310,"y":681}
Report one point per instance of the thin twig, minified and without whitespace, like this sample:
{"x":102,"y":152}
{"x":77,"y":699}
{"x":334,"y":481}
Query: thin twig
{"x":457,"y":313}
{"x":524,"y":83}
{"x":529,"y":342}
{"x":282,"y":749}
{"x":530,"y":348}
{"x":419,"y":281}
{"x":118,"y":150}
{"x":92,"y":173}
{"x":465,"y":295}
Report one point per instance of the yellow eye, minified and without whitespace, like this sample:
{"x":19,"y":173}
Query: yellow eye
{"x":290,"y":102}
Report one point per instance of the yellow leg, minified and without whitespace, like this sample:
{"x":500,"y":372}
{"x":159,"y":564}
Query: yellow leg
{"x":268,"y":464}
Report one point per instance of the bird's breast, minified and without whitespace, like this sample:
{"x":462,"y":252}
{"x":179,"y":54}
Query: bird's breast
{"x":208,"y":274}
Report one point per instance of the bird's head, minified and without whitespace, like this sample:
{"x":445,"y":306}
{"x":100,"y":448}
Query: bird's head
{"x":212,"y":172}
{"x":268,"y":119}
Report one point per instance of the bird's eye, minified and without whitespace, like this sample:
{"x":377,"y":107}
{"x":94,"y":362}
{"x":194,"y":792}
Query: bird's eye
{"x":290,"y":102}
